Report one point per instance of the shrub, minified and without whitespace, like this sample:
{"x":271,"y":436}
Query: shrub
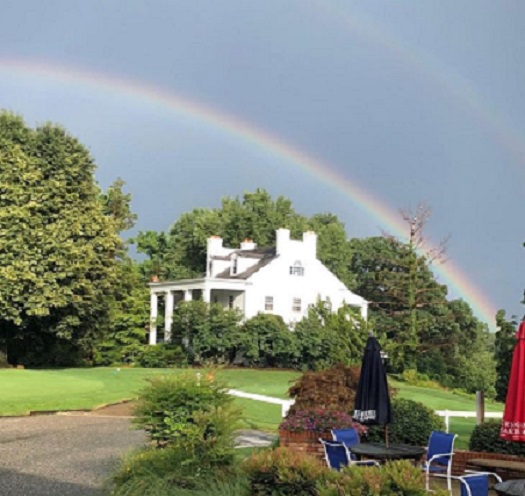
{"x":284,"y":472}
{"x":210,"y":333}
{"x":331,"y":389}
{"x":485,"y":437}
{"x":186,"y":408}
{"x":413,"y":423}
{"x":319,"y":421}
{"x":192,"y":419}
{"x":398,"y":478}
{"x":326,"y":339}
{"x":268,"y":342}
{"x":158,"y":356}
{"x":173,"y":471}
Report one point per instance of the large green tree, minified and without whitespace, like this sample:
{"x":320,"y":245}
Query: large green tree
{"x":57,"y":247}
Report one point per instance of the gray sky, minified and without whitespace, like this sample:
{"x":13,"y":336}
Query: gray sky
{"x":418,"y":101}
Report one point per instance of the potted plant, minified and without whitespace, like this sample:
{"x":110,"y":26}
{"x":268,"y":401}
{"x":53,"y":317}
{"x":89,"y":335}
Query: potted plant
{"x":310,"y":425}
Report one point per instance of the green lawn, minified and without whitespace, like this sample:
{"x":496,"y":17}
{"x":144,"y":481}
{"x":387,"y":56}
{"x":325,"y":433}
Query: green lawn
{"x":444,"y":400}
{"x":68,"y":389}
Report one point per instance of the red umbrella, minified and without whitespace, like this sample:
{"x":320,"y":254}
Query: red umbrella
{"x":513,"y":425}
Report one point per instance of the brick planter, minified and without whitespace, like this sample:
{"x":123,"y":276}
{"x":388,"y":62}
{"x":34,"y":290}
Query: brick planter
{"x":306,"y":441}
{"x":460,"y":458}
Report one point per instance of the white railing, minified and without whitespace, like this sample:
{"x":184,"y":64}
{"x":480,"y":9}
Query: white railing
{"x":454,"y":413}
{"x":285,"y":404}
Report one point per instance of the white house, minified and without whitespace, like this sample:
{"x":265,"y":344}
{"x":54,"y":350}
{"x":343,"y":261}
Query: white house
{"x":282,"y":280}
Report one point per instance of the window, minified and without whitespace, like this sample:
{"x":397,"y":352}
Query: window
{"x":296,"y":305}
{"x":234,"y":266}
{"x":230,"y":301}
{"x":268,"y":304}
{"x":297,"y":269}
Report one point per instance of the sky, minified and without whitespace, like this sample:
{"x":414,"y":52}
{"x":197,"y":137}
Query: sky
{"x":353,"y":108}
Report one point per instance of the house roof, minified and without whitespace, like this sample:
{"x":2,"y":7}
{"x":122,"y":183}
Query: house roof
{"x":265,"y":256}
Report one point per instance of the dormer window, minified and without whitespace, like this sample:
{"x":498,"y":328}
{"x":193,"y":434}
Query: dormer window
{"x":297,"y":269}
{"x":234,"y":265}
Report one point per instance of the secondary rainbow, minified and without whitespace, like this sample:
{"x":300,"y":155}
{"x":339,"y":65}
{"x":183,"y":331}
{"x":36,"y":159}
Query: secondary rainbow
{"x":256,"y":137}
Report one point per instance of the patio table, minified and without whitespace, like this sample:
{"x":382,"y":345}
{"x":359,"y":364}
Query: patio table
{"x":379,"y":451}
{"x":514,"y":487}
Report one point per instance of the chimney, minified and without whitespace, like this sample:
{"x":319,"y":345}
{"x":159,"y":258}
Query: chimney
{"x":248,"y":244}
{"x":214,"y":245}
{"x":310,"y":244}
{"x":282,"y":239}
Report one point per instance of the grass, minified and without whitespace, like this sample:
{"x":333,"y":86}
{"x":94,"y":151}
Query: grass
{"x":77,"y":389}
{"x":438,"y":399}
{"x":71,"y":389}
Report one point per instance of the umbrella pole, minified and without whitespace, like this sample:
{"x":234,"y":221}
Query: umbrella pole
{"x":386,"y":435}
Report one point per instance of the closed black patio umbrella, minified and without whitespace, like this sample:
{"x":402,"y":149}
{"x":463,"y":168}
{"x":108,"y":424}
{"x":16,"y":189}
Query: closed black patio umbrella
{"x":372,"y":402}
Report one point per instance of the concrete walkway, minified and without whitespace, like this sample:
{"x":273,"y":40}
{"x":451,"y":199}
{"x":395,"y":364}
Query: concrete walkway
{"x":63,"y":455}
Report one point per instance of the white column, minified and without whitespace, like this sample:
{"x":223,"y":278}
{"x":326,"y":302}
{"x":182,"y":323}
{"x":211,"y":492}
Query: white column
{"x":153,"y":319}
{"x":206,"y":295}
{"x":364,"y":311}
{"x":188,"y":295}
{"x":168,"y":316}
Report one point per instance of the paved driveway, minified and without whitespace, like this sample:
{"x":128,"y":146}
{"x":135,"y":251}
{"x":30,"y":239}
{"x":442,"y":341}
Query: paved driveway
{"x":61,"y":455}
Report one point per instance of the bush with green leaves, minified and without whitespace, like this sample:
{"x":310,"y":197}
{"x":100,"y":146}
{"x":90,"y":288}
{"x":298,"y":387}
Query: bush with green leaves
{"x":176,"y":470}
{"x":284,"y":472}
{"x":399,"y":478}
{"x":268,"y":342}
{"x":413,"y":423}
{"x":485,"y":437}
{"x":210,"y":333}
{"x":159,"y":356}
{"x":326,"y":339}
{"x":191,"y":419}
{"x":189,"y":408}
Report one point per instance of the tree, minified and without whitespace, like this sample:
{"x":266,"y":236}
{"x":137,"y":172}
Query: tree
{"x":385,"y":270}
{"x":181,"y":253}
{"x":117,"y":206}
{"x":326,"y":339}
{"x":504,"y":349}
{"x":57,"y":247}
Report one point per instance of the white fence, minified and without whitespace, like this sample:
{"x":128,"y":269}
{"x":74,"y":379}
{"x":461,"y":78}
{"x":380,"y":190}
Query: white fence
{"x":454,"y":413}
{"x":286,"y":404}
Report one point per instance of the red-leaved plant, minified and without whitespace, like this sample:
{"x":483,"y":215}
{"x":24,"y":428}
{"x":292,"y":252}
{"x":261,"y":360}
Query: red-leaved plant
{"x":320,"y":421}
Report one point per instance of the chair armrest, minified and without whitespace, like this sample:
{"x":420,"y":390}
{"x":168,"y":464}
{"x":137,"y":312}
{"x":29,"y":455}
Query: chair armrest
{"x":365,"y":462}
{"x":439,"y":455}
{"x":469,"y":473}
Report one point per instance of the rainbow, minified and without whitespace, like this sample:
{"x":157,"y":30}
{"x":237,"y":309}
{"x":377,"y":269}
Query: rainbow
{"x":438,"y":74}
{"x":257,"y":138}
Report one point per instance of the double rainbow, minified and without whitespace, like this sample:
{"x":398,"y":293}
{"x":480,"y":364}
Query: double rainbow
{"x":257,"y":138}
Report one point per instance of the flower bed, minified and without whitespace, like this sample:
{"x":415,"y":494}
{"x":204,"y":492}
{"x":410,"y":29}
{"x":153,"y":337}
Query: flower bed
{"x":301,"y":429}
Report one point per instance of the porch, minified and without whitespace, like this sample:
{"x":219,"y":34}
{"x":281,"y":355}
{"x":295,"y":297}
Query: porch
{"x":229,"y":294}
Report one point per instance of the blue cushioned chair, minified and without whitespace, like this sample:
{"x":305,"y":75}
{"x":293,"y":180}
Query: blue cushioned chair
{"x":476,"y":483}
{"x":439,"y":457}
{"x":350,"y":437}
{"x":336,"y":454}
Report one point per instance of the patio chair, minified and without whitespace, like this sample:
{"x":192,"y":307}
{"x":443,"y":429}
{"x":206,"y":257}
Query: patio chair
{"x":439,"y":457}
{"x":350,"y":437}
{"x":338,"y":456}
{"x":476,"y":483}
